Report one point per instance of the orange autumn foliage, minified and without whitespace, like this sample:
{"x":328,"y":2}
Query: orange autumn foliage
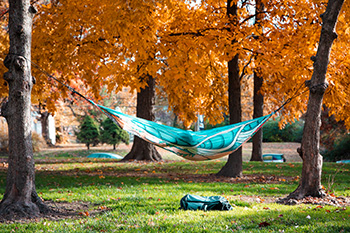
{"x":186,"y":48}
{"x":4,"y":45}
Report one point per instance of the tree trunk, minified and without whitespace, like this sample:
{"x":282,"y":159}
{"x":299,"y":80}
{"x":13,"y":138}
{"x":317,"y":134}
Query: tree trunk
{"x":141,"y":149}
{"x":258,"y":100}
{"x":233,"y":166}
{"x":20,"y":198}
{"x":44,"y":119}
{"x":310,"y":184}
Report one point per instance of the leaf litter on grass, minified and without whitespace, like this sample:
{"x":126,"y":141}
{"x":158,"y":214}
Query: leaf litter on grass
{"x":264,"y":187}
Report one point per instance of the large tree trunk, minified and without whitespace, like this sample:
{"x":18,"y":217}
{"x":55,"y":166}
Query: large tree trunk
{"x":310,"y":184}
{"x":142,"y":150}
{"x":233,"y":166}
{"x":258,"y":100}
{"x":20,"y":198}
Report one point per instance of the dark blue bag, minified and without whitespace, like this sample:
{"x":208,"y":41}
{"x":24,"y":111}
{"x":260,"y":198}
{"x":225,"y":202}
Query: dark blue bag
{"x":194,"y":202}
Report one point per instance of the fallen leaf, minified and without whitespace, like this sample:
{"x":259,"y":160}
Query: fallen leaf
{"x":86,"y":213}
{"x":264,"y":224}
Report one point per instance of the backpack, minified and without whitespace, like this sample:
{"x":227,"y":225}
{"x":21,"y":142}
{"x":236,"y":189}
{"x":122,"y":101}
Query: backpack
{"x":194,"y":202}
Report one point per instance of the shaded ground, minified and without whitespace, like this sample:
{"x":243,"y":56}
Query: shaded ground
{"x":289,"y":149}
{"x":62,"y":210}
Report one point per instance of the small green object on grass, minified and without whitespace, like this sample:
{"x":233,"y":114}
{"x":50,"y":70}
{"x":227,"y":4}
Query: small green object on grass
{"x":276,"y":158}
{"x":344,"y":161}
{"x":104,"y":156}
{"x":195,"y":202}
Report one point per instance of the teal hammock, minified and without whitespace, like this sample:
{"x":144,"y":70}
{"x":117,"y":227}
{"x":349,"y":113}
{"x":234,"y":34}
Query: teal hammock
{"x":200,"y":145}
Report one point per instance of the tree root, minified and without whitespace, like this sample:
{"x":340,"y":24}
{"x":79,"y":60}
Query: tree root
{"x":326,"y":200}
{"x":13,"y":209}
{"x":301,"y":196}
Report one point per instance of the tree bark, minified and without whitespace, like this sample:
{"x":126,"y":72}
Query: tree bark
{"x":258,"y":98}
{"x":310,"y":184}
{"x":142,"y":150}
{"x":233,"y":166}
{"x":258,"y":101}
{"x":20,"y":198}
{"x":44,"y":119}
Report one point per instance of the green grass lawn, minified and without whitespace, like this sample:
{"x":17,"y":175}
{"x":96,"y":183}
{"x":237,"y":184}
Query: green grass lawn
{"x":145,"y":197}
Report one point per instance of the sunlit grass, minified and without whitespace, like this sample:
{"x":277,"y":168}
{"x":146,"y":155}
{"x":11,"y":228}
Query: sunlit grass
{"x":145,"y":197}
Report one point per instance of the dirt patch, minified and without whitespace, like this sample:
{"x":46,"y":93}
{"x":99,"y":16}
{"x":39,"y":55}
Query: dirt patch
{"x":209,"y":178}
{"x":319,"y":201}
{"x":62,"y":210}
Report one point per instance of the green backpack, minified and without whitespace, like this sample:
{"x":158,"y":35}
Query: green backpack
{"x":194,"y":202}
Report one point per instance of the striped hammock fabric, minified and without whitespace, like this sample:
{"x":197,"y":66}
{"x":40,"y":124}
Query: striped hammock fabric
{"x":198,"y":146}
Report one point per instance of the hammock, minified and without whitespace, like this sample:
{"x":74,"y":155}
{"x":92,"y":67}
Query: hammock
{"x":200,"y":145}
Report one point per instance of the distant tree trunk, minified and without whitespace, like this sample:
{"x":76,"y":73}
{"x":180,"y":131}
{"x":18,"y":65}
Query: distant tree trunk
{"x":258,"y":100}
{"x":310,"y":184}
{"x":233,"y":166}
{"x":44,"y":119}
{"x":20,"y":198}
{"x":142,"y":150}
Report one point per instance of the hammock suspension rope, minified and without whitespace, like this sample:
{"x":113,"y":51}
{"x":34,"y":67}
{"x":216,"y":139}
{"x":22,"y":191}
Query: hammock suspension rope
{"x":200,"y":145}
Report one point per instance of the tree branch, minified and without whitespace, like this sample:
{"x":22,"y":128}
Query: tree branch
{"x":198,"y":32}
{"x":252,"y":16}
{"x":244,"y":68}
